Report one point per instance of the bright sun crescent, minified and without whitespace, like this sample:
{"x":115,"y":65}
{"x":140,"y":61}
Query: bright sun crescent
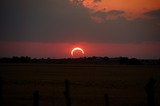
{"x":75,"y":49}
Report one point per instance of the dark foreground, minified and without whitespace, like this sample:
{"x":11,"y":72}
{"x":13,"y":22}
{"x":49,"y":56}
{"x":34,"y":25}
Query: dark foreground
{"x":88,"y":84}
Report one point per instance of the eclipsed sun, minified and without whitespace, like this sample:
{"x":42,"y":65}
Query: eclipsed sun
{"x":77,"y":49}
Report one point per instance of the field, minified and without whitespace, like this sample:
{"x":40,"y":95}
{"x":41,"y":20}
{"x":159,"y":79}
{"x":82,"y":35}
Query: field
{"x":124,"y":84}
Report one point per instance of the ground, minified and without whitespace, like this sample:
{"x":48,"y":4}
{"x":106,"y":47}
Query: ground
{"x":124,"y":84}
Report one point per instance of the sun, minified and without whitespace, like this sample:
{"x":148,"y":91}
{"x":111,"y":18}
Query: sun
{"x":77,"y":49}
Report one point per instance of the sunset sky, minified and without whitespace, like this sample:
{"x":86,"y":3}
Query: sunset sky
{"x":52,"y":28}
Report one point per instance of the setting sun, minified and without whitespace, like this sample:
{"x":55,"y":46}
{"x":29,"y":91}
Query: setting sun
{"x":76,"y":49}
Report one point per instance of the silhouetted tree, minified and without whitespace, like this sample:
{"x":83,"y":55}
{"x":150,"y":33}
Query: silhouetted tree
{"x":123,"y":60}
{"x":81,"y":60}
{"x":134,"y":61}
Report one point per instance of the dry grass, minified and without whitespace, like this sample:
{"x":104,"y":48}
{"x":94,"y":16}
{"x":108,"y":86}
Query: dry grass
{"x":123,"y":83}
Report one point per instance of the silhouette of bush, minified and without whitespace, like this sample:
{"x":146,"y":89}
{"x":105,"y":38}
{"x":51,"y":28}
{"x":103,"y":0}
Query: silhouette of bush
{"x":134,"y":61}
{"x":82,"y":60}
{"x":123,"y":60}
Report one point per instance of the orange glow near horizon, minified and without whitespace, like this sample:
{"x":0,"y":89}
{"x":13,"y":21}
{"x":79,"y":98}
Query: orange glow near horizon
{"x":60,"y":50}
{"x":75,"y":49}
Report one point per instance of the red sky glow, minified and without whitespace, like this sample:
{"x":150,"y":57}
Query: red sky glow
{"x":62,"y":50}
{"x":52,"y":28}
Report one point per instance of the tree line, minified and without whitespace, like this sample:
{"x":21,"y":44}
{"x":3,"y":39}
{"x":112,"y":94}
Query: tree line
{"x":82,"y":60}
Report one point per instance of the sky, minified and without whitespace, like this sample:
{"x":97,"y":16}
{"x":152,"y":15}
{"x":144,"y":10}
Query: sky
{"x":52,"y":28}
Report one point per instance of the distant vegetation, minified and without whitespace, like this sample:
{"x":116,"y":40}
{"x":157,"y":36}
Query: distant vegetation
{"x":82,"y":60}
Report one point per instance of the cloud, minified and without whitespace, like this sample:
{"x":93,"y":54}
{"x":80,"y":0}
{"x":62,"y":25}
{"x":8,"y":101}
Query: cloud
{"x":40,"y":20}
{"x":133,"y":9}
{"x":154,"y":13}
{"x":154,"y":16}
{"x":63,"y":21}
{"x":110,"y":15}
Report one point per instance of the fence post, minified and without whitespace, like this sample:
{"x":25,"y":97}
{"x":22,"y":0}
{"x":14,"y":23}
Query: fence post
{"x":36,"y":98}
{"x":1,"y":88}
{"x":150,"y":91}
{"x":106,"y":100}
{"x":67,"y":93}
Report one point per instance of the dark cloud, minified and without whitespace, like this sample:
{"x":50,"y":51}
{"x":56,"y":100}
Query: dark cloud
{"x":61,"y":21}
{"x":104,"y":14}
{"x":154,"y":17}
{"x":115,"y":12}
{"x":155,"y":13}
{"x":110,"y":15}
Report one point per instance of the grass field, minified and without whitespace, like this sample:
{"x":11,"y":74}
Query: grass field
{"x":124,"y":84}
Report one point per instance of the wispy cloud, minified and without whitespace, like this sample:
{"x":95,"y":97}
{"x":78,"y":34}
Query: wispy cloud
{"x":132,"y":9}
{"x":88,"y":21}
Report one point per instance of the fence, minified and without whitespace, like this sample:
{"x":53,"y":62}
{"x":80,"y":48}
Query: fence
{"x":149,"y":88}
